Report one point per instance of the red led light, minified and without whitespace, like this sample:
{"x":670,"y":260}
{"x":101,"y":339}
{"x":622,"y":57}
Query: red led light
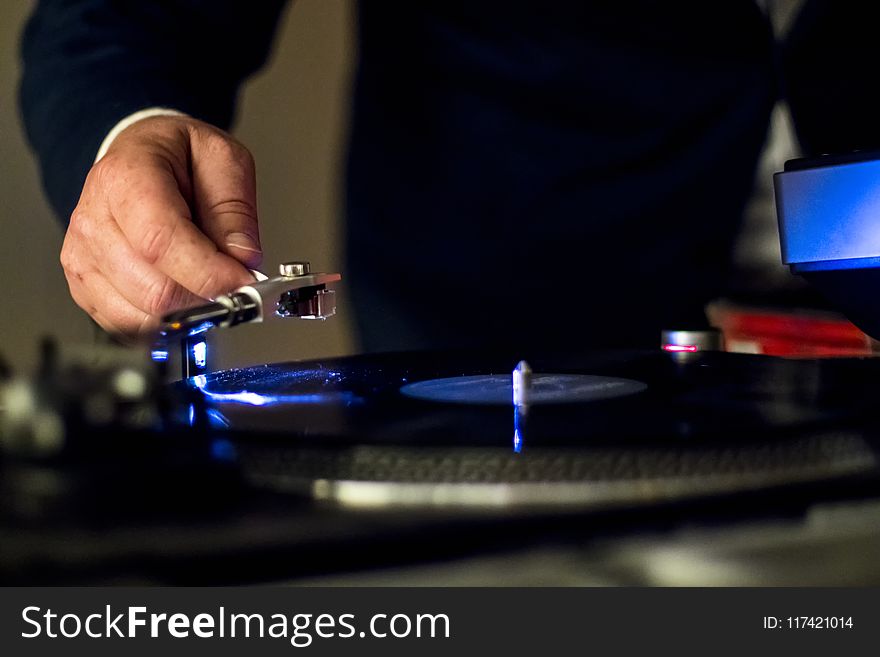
{"x":680,"y":348}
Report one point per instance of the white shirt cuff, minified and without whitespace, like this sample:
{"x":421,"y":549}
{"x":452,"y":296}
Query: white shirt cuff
{"x":130,"y":120}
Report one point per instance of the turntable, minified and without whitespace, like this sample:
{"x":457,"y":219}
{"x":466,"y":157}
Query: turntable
{"x":525,"y":431}
{"x":444,"y":430}
{"x":280,"y":471}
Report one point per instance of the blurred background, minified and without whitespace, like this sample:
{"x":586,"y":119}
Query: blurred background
{"x":293,"y":116}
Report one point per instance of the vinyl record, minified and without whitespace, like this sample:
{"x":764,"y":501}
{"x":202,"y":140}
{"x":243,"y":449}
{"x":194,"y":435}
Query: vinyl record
{"x":607,"y":428}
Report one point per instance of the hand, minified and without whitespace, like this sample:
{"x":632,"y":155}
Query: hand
{"x":166,"y":219}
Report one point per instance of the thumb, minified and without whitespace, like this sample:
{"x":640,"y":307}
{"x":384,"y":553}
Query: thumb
{"x":225,"y":194}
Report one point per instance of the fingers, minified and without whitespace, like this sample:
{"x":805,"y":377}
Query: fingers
{"x":143,"y":286}
{"x":133,"y":253}
{"x":96,"y":295}
{"x":155,"y":220}
{"x":225,"y":196}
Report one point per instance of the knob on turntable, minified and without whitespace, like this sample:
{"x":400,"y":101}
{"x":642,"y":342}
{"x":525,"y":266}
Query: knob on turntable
{"x":691,"y":341}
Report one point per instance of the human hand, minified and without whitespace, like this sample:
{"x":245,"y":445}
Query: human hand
{"x":166,"y":219}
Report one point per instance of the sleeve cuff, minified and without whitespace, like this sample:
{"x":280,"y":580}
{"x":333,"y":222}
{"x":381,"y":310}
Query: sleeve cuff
{"x":130,"y":120}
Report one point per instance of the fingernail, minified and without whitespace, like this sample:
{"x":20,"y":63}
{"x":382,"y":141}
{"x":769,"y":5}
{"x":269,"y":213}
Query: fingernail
{"x":243,"y":241}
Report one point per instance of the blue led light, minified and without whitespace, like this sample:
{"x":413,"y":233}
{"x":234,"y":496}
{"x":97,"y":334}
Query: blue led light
{"x":200,"y":354}
{"x":159,"y":355}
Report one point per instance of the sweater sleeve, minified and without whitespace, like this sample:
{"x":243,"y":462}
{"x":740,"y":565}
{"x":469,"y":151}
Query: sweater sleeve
{"x":90,"y":63}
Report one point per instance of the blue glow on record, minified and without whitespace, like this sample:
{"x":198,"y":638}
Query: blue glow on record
{"x":545,"y":389}
{"x":261,"y":399}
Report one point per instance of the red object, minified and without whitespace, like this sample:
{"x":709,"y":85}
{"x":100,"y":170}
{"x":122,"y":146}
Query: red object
{"x":792,"y":333}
